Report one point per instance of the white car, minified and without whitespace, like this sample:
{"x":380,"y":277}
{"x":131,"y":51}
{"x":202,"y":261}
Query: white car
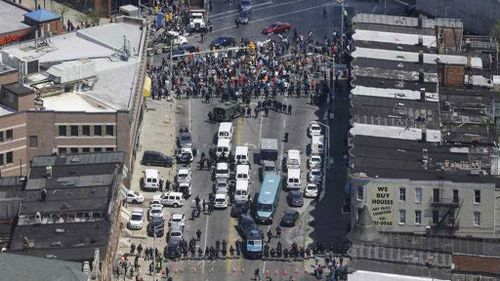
{"x":184,"y":175}
{"x":221,"y":186}
{"x":222,"y":170}
{"x":178,"y":219}
{"x":314,"y":129}
{"x":135,"y":197}
{"x":311,"y":190}
{"x":315,"y":175}
{"x":155,"y":201}
{"x":221,"y":200}
{"x":136,"y":220}
{"x":155,"y":211}
{"x":314,"y":162}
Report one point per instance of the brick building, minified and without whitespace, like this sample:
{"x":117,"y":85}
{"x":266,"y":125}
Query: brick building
{"x":81,"y":92}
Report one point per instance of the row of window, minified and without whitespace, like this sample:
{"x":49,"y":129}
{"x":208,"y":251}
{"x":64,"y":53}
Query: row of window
{"x":64,"y":150}
{"x":435,"y":217}
{"x":6,"y":158}
{"x":6,"y":135}
{"x":86,"y":130}
{"x":436,"y":196}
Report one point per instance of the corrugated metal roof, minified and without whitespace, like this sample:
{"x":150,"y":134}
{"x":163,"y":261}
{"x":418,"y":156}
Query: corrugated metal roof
{"x":42,"y":15}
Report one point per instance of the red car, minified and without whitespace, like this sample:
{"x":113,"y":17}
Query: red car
{"x":277,"y":27}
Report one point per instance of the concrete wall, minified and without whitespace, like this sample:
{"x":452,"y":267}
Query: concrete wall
{"x":478,"y":16}
{"x":386,"y":214}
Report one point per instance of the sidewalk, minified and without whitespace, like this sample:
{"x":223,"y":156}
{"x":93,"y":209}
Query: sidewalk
{"x":69,"y":14}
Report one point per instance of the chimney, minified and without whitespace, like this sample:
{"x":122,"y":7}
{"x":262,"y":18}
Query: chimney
{"x":421,"y":75}
{"x":421,"y":57}
{"x":422,"y":94}
{"x":420,"y":40}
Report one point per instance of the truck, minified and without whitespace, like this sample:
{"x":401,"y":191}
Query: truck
{"x":197,"y":16}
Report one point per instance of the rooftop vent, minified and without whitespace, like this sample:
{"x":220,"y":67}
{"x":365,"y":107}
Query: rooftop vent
{"x":48,"y":172}
{"x":60,"y":230}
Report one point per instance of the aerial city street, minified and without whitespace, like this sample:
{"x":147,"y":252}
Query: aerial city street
{"x":249,"y":140}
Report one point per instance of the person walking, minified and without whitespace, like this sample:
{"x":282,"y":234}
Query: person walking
{"x":269,"y":236}
{"x":257,"y":274}
{"x":198,"y":235}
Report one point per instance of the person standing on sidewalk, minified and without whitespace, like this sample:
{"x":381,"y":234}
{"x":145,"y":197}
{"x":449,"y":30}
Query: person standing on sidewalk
{"x":257,"y":274}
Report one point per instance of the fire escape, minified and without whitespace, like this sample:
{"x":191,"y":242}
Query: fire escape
{"x":445,"y":212}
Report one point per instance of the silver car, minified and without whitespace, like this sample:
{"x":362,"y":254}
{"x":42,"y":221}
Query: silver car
{"x":246,"y":5}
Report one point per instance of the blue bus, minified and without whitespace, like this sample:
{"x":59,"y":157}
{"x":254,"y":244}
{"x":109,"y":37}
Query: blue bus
{"x":267,"y":202}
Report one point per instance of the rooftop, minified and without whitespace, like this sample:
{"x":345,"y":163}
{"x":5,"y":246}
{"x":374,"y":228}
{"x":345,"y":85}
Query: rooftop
{"x":12,"y":18}
{"x":112,"y":53}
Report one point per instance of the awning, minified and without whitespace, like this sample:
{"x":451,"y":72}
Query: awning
{"x":41,"y":16}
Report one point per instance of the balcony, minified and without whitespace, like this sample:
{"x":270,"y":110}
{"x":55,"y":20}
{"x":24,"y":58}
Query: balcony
{"x":446,"y":202}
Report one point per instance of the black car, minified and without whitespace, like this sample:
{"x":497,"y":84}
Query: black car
{"x":155,"y":158}
{"x":156,"y":227}
{"x":245,"y":225}
{"x":184,"y":140}
{"x":188,"y":48}
{"x":222,"y":42}
{"x":289,"y":218}
{"x":173,"y":249}
{"x":239,"y":208}
{"x":295,"y":199}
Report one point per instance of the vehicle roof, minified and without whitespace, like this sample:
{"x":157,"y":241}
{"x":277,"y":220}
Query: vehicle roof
{"x":241,"y":184}
{"x":270,"y":144}
{"x":241,"y":149}
{"x":220,"y":195}
{"x":186,"y":149}
{"x":242,"y":169}
{"x":176,"y":228}
{"x":151,"y":173}
{"x":288,"y":212}
{"x":317,"y":139}
{"x":294,"y":153}
{"x":295,"y":193}
{"x":268,"y":163}
{"x":222,"y":165}
{"x":177,"y":215}
{"x":294,"y":172}
{"x":172,"y":193}
{"x":185,"y":134}
{"x":269,"y":186}
{"x":224,"y":126}
{"x":223,"y":142}
{"x":133,"y":192}
{"x":137,"y":210}
{"x":183,"y":171}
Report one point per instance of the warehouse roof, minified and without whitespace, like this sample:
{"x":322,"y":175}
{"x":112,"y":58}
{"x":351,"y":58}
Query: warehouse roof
{"x":12,"y":18}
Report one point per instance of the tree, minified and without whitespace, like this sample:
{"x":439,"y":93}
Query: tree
{"x":62,"y":9}
{"x":495,"y":31}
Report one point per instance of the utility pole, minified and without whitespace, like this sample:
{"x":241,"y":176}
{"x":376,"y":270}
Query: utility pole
{"x":154,"y":253}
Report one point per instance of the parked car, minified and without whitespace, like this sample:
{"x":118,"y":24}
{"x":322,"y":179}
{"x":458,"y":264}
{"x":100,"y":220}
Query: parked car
{"x":176,"y":232}
{"x":221,"y":185}
{"x":245,"y":5}
{"x":185,"y":155}
{"x":239,"y":208}
{"x":243,"y":17}
{"x":222,"y":170}
{"x":314,"y":129}
{"x":183,"y":175}
{"x":184,"y":140}
{"x":314,"y":161}
{"x":277,"y":27}
{"x":289,"y":218}
{"x":156,"y":227}
{"x":221,"y":200}
{"x":311,"y":190}
{"x":174,"y":199}
{"x":177,"y":219}
{"x":315,"y":175}
{"x":136,"y":220}
{"x":155,"y":211}
{"x":173,"y":249}
{"x":223,"y":41}
{"x":135,"y":197}
{"x":155,"y":158}
{"x":295,"y":199}
{"x":189,"y":48}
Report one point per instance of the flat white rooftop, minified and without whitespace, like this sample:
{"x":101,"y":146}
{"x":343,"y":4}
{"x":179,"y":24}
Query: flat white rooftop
{"x":11,"y":18}
{"x":393,"y":37}
{"x":402,"y":94}
{"x":402,"y":133}
{"x":361,"y":275}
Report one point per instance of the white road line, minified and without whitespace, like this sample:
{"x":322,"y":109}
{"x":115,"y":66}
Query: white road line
{"x":282,"y":144}
{"x":235,"y":11}
{"x":260,"y":128}
{"x":205,"y":245}
{"x":277,"y":16}
{"x":189,"y":115}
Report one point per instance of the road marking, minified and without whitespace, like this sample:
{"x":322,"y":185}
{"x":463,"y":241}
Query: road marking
{"x":189,"y":114}
{"x":277,"y":16}
{"x":205,"y":244}
{"x":260,"y":128}
{"x":282,"y":143}
{"x":235,"y":11}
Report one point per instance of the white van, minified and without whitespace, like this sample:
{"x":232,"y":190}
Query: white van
{"x":293,"y":179}
{"x":317,"y":145}
{"x":222,"y":170}
{"x":221,"y":200}
{"x":241,"y":154}
{"x":242,"y":172}
{"x":173,"y":199}
{"x":225,"y":131}
{"x":241,"y":191}
{"x":150,"y":181}
{"x":223,"y":146}
{"x":293,"y":159}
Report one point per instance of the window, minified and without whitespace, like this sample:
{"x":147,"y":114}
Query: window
{"x":455,"y":196}
{"x":33,"y":141}
{"x":86,"y":130}
{"x":477,"y":218}
{"x":1,"y":136}
{"x":73,"y":149}
{"x":86,"y":149}
{"x":10,"y":157}
{"x":477,"y":196}
{"x":9,"y":134}
{"x":61,"y":150}
{"x":435,"y":216}
{"x":74,"y":130}
{"x":359,"y":194}
{"x":97,"y":131}
{"x":97,"y":149}
{"x":402,"y":194}
{"x":402,"y":216}
{"x":435,"y":195}
{"x":109,"y":149}
{"x":62,"y":130}
{"x":418,"y":194}
{"x":418,"y":217}
{"x":1,"y":159}
{"x":110,"y":130}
